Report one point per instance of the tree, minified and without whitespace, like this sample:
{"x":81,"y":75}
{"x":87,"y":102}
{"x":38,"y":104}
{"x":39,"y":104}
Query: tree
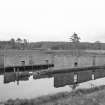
{"x":25,"y":43}
{"x":98,"y":45}
{"x":12,"y":41}
{"x":75,"y":38}
{"x":19,"y":40}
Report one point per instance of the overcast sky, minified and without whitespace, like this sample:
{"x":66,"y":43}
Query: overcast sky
{"x":52,"y":20}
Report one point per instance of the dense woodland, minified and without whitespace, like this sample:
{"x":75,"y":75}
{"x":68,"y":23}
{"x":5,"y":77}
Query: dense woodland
{"x":24,"y":44}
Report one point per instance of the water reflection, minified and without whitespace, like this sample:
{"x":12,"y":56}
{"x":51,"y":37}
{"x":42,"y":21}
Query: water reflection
{"x":30,"y":88}
{"x":16,"y":76}
{"x":9,"y":77}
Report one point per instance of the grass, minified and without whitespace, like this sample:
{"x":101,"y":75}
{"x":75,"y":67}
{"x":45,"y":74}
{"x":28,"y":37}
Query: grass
{"x":92,"y":96}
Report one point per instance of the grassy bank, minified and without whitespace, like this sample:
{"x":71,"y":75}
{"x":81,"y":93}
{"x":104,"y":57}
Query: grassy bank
{"x":93,"y":96}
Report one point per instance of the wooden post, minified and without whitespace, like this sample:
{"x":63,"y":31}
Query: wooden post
{"x":94,"y":63}
{"x":75,"y":75}
{"x":14,"y":69}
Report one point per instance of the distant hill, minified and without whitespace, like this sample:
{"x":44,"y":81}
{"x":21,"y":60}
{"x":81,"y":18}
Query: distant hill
{"x":51,"y":45}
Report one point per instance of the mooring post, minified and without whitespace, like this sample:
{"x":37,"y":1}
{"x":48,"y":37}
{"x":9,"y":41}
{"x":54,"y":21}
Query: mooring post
{"x":93,"y":72}
{"x":75,"y":75}
{"x":75,"y":81}
{"x":14,"y":69}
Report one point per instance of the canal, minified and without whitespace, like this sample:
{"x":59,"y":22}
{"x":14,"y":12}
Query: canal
{"x":33,"y":88}
{"x":28,"y":89}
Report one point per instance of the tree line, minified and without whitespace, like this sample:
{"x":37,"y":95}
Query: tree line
{"x":74,"y":42}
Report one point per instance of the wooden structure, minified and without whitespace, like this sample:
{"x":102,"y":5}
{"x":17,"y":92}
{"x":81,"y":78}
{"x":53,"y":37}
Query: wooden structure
{"x":78,"y":75}
{"x":24,"y":60}
{"x":68,"y":69}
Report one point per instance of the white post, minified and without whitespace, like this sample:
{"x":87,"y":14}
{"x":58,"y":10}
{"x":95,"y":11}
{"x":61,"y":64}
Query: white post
{"x":14,"y":69}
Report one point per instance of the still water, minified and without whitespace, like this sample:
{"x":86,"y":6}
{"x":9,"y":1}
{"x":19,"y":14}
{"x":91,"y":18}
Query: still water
{"x":28,"y":89}
{"x":34,"y":88}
